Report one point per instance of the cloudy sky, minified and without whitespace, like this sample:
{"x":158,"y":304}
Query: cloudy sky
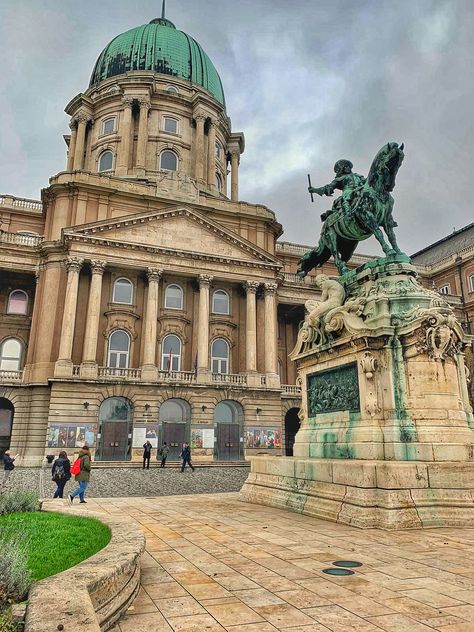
{"x":307,"y":81}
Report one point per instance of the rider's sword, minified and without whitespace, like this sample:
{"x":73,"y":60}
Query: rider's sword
{"x":311,"y":193}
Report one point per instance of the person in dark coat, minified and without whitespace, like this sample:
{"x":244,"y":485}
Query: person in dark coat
{"x":84,"y":475}
{"x":8,"y":466}
{"x":61,"y":473}
{"x":164,"y":451}
{"x":186,"y":457}
{"x":147,"y":448}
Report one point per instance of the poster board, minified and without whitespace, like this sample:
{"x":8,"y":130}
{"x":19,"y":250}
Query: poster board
{"x":208,"y":438}
{"x":263,"y":438}
{"x":66,"y":436}
{"x":139,"y":437}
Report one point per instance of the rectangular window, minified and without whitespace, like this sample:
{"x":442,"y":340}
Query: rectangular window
{"x":170,"y":125}
{"x":445,"y":289}
{"x":109,"y":126}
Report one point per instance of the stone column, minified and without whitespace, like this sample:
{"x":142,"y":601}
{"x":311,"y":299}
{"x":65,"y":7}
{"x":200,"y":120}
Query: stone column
{"x":142,"y":135}
{"x":199,"y":151}
{"x":251,"y":329}
{"x":63,"y":365}
{"x":211,"y":156}
{"x":125,"y":137}
{"x":270,"y":330}
{"x":234,"y":187}
{"x":149,"y":368}
{"x":89,"y":364}
{"x":72,"y":145}
{"x":82,"y":119}
{"x":203,"y":328}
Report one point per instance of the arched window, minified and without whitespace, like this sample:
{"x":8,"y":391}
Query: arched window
{"x":168,"y":161}
{"x":175,"y":411}
{"x":108,"y":126}
{"x":172,"y":90}
{"x":115,"y":409}
{"x":106,"y":161}
{"x":170,"y":125}
{"x":219,"y":151}
{"x":10,"y":355}
{"x":218,"y":182}
{"x":17,"y":302}
{"x":220,"y":356}
{"x":220,"y":302}
{"x":174,"y":297}
{"x":171,"y":353}
{"x":123,"y":291}
{"x":119,"y":350}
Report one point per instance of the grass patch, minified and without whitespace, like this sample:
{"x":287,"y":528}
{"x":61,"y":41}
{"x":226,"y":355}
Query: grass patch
{"x":55,"y":542}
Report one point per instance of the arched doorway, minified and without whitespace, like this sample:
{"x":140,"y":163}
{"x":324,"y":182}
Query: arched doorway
{"x":7,"y":411}
{"x":228,"y":418}
{"x":115,"y":417}
{"x":175,"y":417}
{"x":292,"y":425}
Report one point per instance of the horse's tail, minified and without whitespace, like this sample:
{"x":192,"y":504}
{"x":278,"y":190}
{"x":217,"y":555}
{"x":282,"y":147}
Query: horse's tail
{"x":313,"y":259}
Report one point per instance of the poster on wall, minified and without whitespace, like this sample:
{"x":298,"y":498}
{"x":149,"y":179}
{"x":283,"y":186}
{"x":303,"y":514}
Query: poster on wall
{"x":196,"y":438}
{"x":152,"y":436}
{"x":139,"y":437}
{"x":263,"y":438}
{"x":208,"y":438}
{"x":62,"y":436}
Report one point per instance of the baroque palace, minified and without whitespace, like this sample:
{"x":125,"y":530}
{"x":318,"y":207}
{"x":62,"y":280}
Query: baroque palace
{"x":140,"y":298}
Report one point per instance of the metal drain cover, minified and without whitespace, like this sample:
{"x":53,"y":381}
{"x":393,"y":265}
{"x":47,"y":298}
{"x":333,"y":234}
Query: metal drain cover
{"x":337,"y":571}
{"x":347,"y":564}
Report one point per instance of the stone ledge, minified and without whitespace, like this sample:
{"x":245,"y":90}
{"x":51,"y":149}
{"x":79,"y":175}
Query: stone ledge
{"x":92,"y":595}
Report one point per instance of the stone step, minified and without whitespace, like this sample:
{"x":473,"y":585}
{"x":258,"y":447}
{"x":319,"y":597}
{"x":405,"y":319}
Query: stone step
{"x":169,"y":464}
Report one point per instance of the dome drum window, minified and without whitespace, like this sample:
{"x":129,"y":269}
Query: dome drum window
{"x":108,"y":126}
{"x":168,"y":161}
{"x":170,"y":125}
{"x":106,"y":161}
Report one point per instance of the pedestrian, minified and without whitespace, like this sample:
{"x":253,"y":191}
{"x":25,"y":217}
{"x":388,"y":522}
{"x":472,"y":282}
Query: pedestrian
{"x":147,"y":448}
{"x":8,"y":466}
{"x":186,"y":457}
{"x":164,"y":451}
{"x":84,"y":475}
{"x":61,"y":473}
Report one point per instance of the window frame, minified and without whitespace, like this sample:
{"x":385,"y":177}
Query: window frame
{"x":101,"y":155}
{"x":219,"y":359}
{"x":9,"y":312}
{"x":11,"y":358}
{"x":213,"y":310}
{"x":219,"y":182}
{"x":167,"y":117}
{"x":471,"y":282}
{"x":446,"y":286}
{"x":113,"y":291}
{"x":170,"y":151}
{"x":164,"y":364}
{"x":105,"y":121}
{"x":119,"y":353}
{"x":172,"y":90}
{"x":170,"y":285}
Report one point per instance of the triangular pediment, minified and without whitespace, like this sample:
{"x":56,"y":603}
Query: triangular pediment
{"x":177,"y":228}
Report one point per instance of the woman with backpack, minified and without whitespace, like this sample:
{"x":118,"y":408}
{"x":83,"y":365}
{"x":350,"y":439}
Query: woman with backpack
{"x":61,"y":473}
{"x":81,"y":469}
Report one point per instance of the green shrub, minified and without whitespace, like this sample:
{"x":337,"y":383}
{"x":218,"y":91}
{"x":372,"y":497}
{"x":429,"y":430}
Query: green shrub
{"x":19,"y":501}
{"x":15,"y":576}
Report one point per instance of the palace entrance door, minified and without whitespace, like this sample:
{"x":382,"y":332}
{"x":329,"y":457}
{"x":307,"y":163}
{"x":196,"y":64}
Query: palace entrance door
{"x":228,"y":446}
{"x":175,"y":435}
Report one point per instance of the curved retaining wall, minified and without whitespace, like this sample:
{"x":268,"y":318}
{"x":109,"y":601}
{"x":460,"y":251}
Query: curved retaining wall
{"x":91,"y":596}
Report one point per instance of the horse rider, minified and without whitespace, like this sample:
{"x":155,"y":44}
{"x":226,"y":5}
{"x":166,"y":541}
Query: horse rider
{"x":345,"y":181}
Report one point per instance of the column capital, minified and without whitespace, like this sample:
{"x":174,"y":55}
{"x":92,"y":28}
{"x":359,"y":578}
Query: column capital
{"x":199,"y":116}
{"x":82,"y":117}
{"x":154,"y":274}
{"x":251,"y":287}
{"x":127,"y":101}
{"x":144,"y":103}
{"x":270,"y":288}
{"x":204,"y":280}
{"x":73,"y":124}
{"x":98,"y":267}
{"x":235,"y":153}
{"x":73,"y":264}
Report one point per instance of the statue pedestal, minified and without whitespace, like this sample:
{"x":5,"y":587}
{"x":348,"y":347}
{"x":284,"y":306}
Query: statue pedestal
{"x":386,"y":437}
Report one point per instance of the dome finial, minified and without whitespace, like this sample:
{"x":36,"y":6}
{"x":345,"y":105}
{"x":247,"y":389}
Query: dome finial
{"x":163,"y":10}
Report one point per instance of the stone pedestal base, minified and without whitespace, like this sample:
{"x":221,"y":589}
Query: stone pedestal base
{"x":366,"y":494}
{"x":63,"y":368}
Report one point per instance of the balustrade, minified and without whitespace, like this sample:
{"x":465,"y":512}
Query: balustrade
{"x":11,"y":376}
{"x":21,"y":240}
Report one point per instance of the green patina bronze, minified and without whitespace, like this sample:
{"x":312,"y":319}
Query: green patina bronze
{"x":364,"y":206}
{"x":333,"y":390}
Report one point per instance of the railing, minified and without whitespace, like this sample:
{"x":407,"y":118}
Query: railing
{"x":263,"y":380}
{"x":22,"y":240}
{"x":76,"y":370}
{"x":229,"y":378}
{"x":290,"y":277}
{"x":11,"y":200}
{"x":11,"y":376}
{"x":176,"y":376}
{"x":133,"y":374}
{"x":291,"y":389}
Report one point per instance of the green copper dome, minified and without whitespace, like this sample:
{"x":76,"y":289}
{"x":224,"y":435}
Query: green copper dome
{"x":159,"y":47}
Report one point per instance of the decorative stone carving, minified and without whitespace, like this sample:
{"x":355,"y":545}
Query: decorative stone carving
{"x":204,"y":280}
{"x":368,"y":365}
{"x":98,"y":267}
{"x":251,"y":287}
{"x":270,"y":288}
{"x":73,"y":264}
{"x":333,"y":390}
{"x":82,"y":117}
{"x":154,"y":274}
{"x":144,"y":103}
{"x":127,"y":101}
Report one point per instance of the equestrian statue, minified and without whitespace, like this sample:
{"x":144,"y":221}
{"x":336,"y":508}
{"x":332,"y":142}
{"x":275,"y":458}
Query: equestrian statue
{"x":364,"y":206}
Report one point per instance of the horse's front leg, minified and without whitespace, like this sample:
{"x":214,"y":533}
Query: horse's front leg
{"x":332,"y":243}
{"x":389,"y":226}
{"x":369,"y":221}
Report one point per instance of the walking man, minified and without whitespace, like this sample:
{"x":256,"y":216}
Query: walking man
{"x":84,"y":475}
{"x":147,"y":447}
{"x":186,"y":457}
{"x":164,"y":451}
{"x":8,"y":467}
